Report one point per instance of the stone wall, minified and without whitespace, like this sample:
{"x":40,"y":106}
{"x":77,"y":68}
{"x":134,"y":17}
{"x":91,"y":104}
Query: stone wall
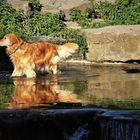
{"x":113,"y":43}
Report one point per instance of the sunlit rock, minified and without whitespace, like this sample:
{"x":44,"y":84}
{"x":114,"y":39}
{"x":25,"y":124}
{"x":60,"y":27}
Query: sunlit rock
{"x":113,"y":43}
{"x":63,"y":5}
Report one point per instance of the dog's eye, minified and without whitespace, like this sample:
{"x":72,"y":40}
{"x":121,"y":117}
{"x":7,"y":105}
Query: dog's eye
{"x":4,"y":38}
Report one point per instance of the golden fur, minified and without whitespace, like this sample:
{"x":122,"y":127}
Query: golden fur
{"x":28,"y":58}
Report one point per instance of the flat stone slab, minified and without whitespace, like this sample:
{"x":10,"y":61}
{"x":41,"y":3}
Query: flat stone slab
{"x":113,"y":43}
{"x":72,"y":25}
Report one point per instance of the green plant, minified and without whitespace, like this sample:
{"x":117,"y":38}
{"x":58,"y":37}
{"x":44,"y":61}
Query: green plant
{"x":42,"y":24}
{"x":120,"y":12}
{"x":75,"y":14}
{"x":83,"y":18}
{"x":10,"y":19}
{"x":89,"y":13}
{"x":35,"y":5}
{"x":102,"y":9}
{"x":125,"y":12}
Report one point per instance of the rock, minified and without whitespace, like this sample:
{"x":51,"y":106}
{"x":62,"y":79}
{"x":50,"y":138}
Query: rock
{"x":21,"y":5}
{"x":55,"y":6}
{"x":99,"y":20}
{"x":58,"y":41}
{"x":72,"y":25}
{"x":113,"y":43}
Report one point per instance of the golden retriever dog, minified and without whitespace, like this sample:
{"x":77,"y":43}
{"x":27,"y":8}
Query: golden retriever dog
{"x":28,"y":58}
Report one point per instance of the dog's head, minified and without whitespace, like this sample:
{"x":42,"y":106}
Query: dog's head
{"x":10,"y":40}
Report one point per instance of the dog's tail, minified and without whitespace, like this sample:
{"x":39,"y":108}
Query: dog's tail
{"x":66,"y":50}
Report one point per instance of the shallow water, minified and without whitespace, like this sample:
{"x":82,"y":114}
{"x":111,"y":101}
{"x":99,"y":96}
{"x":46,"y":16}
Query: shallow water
{"x":102,"y":86}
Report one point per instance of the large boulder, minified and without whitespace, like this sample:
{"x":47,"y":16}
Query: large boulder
{"x":113,"y":43}
{"x":55,"y":6}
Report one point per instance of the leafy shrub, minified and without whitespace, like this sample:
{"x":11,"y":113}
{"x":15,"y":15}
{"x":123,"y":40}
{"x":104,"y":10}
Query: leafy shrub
{"x":84,"y":19}
{"x":102,"y":9}
{"x":42,"y":24}
{"x":120,"y":12}
{"x":125,"y":12}
{"x":35,"y":5}
{"x":10,"y":19}
{"x":75,"y":14}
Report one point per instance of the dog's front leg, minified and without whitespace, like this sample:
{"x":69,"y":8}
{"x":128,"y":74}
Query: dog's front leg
{"x":16,"y":73}
{"x":30,"y":73}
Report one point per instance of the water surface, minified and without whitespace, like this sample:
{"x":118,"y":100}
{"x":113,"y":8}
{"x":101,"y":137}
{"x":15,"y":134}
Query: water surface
{"x":101,"y":86}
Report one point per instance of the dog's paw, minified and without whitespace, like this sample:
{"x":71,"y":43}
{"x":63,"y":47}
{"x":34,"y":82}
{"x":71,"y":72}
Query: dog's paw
{"x":30,"y":74}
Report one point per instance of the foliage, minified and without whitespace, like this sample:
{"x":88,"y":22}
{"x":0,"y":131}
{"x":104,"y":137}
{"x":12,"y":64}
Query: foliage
{"x":75,"y":14}
{"x":125,"y":12}
{"x":41,"y":24}
{"x":35,"y":4}
{"x":120,"y":12}
{"x":85,"y":18}
{"x":82,"y":19}
{"x":12,"y":21}
{"x":102,"y":9}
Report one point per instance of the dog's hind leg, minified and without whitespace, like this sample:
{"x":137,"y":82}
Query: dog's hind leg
{"x":54,"y":68}
{"x":53,"y":65}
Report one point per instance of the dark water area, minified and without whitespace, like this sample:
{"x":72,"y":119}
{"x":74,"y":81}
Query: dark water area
{"x":70,"y":124}
{"x":101,"y":86}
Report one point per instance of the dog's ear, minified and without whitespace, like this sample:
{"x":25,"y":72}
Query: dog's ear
{"x":19,"y":40}
{"x":14,"y":39}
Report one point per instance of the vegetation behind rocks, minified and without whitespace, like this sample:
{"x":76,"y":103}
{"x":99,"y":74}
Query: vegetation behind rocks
{"x":119,"y":12}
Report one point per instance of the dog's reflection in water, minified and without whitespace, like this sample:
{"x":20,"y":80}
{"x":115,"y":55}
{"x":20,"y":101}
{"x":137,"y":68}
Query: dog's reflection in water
{"x":30,"y":93}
